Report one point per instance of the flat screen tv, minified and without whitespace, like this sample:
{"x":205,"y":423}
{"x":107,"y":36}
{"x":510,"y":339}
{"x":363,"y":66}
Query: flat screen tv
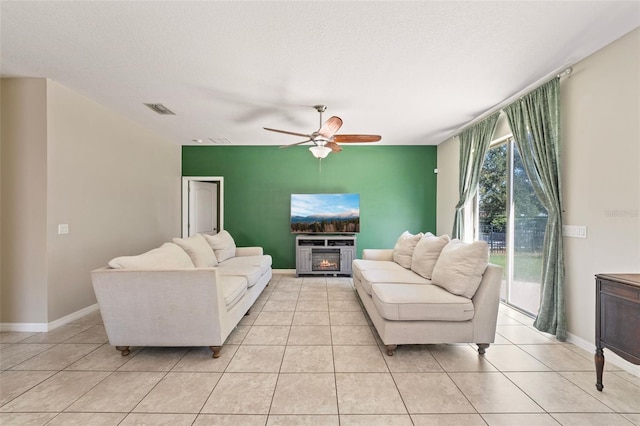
{"x":325,"y":213}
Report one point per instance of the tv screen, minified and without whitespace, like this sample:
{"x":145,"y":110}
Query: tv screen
{"x":325,"y":213}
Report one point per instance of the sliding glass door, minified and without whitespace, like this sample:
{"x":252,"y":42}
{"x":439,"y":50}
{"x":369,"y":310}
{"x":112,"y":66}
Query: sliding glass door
{"x":512,"y":221}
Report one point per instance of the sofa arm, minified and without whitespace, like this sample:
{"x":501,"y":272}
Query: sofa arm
{"x":161,"y":308}
{"x":378,"y":254}
{"x":486,"y":303}
{"x":249,"y":251}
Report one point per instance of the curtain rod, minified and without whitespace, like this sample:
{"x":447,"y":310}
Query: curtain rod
{"x":559,"y":73}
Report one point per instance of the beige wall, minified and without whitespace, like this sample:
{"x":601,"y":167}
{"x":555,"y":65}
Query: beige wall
{"x":116,"y":185}
{"x":23,"y":288}
{"x":448,"y":179}
{"x":601,"y":163}
{"x":600,"y":111}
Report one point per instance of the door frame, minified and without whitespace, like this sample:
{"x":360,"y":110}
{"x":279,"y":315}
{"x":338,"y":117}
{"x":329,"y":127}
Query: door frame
{"x":185,"y":200}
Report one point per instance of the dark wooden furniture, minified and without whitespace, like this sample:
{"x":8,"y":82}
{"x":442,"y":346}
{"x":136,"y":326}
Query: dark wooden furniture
{"x":617,"y":319}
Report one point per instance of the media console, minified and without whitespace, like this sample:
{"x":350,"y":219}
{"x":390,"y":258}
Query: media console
{"x":617,"y":319}
{"x":325,"y":254}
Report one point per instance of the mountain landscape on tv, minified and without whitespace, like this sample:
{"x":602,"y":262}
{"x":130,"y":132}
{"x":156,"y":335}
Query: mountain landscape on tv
{"x":325,"y":213}
{"x":325,"y":224}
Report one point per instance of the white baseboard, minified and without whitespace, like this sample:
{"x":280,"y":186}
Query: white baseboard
{"x":24,"y":327}
{"x":43,"y":327}
{"x":610,"y":357}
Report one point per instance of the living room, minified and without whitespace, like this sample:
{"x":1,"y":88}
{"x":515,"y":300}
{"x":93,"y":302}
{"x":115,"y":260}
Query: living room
{"x":67,"y":159}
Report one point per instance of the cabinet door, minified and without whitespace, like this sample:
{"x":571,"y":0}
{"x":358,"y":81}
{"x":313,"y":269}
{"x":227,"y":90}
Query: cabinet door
{"x":347,"y":256}
{"x":620,"y":319}
{"x":303,"y":262}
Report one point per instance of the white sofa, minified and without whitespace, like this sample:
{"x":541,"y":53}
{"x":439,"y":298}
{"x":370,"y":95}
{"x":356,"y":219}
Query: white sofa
{"x":433,"y":291}
{"x":191,"y":292}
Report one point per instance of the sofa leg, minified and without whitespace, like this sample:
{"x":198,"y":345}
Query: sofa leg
{"x":482,"y":347}
{"x":124,"y":350}
{"x":248,"y":312}
{"x":216,"y":351}
{"x":390,"y":349}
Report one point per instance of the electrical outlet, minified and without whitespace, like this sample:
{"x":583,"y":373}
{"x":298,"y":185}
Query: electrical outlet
{"x":63,"y":229}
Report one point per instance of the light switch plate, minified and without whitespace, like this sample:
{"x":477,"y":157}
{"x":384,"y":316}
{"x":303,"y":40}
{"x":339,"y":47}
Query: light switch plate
{"x":63,"y":229}
{"x":574,"y":231}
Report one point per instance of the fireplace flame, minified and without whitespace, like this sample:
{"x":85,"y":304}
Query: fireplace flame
{"x":325,"y":264}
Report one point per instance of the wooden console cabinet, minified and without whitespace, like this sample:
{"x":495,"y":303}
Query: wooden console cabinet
{"x":325,"y":254}
{"x":617,"y":319}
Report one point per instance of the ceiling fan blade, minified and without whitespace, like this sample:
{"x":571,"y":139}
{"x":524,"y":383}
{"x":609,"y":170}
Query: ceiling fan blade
{"x":304,"y":135}
{"x":294,"y":144}
{"x":330,"y":127}
{"x":356,"y":138}
{"x":334,"y":146}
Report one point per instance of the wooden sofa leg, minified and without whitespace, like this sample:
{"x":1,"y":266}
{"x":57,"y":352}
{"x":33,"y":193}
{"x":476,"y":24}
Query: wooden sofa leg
{"x":216,"y":351}
{"x":482,"y":347}
{"x":124,"y":350}
{"x":248,"y":312}
{"x":390,"y":349}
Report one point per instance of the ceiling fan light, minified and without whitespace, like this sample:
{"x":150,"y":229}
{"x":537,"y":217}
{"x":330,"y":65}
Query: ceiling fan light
{"x":320,"y":151}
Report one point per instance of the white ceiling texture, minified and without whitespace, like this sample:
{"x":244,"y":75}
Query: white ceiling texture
{"x":413,"y":72}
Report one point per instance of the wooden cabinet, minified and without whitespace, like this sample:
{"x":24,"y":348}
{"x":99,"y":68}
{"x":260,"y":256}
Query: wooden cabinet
{"x":617,"y":319}
{"x":325,"y":255}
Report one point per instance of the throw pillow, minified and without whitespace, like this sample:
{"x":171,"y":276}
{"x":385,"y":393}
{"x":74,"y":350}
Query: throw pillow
{"x":222,"y":244}
{"x":167,"y":256}
{"x":403,"y":250}
{"x":199,"y":250}
{"x":460,"y":267}
{"x":426,"y":254}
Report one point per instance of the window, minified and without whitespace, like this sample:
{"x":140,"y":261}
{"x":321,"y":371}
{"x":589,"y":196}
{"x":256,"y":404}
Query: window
{"x":512,"y":221}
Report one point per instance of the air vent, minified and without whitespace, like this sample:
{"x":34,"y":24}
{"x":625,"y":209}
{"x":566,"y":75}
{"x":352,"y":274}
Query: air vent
{"x":160,"y":109}
{"x":220,"y":140}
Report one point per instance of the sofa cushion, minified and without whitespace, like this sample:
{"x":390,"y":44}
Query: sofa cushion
{"x":222,"y":244}
{"x":251,"y":273}
{"x":426,"y":254}
{"x":385,"y":276}
{"x":360,"y":265}
{"x":365,"y":265}
{"x":460,"y":267}
{"x":263,"y":262}
{"x":233,"y":288}
{"x":403,"y":250}
{"x":408,"y":302}
{"x":199,"y":250}
{"x":167,"y":256}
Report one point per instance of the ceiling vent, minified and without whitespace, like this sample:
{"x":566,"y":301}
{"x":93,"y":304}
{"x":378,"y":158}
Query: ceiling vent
{"x":224,"y":141}
{"x":160,"y":109}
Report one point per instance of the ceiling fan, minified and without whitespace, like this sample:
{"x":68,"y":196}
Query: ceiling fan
{"x":325,"y":139}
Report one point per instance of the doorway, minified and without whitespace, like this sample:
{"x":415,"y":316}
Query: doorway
{"x":512,"y":221}
{"x":202,"y":205}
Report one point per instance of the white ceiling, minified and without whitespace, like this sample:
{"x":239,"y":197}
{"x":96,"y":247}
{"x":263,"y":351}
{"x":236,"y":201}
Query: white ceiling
{"x":413,"y":72}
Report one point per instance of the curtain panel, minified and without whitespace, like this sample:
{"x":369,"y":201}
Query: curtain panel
{"x":474,"y":143}
{"x":535,"y":123}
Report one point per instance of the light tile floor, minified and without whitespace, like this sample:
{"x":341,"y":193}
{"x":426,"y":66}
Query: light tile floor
{"x":307,"y":355}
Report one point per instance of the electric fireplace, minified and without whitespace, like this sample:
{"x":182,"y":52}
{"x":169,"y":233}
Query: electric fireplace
{"x":325,"y":260}
{"x":325,"y":254}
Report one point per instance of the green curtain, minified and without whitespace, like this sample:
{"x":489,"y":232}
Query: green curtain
{"x":535,"y":123}
{"x":474,"y":143}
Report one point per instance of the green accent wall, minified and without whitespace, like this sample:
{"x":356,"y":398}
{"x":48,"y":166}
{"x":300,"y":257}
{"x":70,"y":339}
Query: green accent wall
{"x":397,"y":188}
